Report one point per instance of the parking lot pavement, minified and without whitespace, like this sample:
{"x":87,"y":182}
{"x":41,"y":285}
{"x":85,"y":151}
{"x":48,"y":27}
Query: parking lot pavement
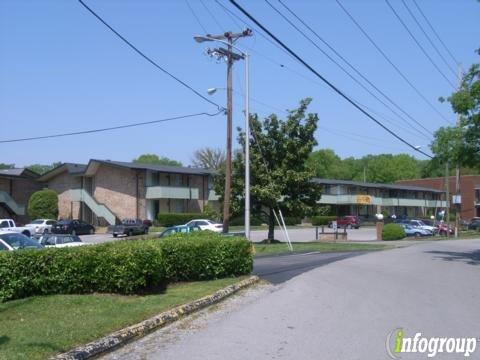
{"x":97,"y":238}
{"x":308,"y":234}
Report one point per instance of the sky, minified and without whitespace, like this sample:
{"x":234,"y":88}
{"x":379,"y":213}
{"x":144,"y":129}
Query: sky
{"x":61,"y":70}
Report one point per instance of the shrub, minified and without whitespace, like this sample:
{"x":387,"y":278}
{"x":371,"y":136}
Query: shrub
{"x":322,"y":220}
{"x":209,"y":213}
{"x":121,"y":267}
{"x":172,"y":219}
{"x":393,"y":232}
{"x":240,"y":221}
{"x":124,"y":267}
{"x":205,"y":255}
{"x":292,"y":220}
{"x":43,"y":204}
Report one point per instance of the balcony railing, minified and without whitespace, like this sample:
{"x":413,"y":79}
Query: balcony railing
{"x":172,"y":192}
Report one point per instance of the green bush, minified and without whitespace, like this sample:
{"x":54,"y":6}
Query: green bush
{"x":43,"y":204}
{"x":205,"y":255}
{"x":240,"y":221}
{"x":322,"y":220}
{"x":172,"y":219}
{"x":124,"y":267}
{"x":393,"y":232}
{"x":209,"y":213}
{"x":292,"y":220}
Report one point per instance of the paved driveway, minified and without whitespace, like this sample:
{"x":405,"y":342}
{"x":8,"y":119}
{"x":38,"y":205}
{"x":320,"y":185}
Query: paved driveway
{"x":343,"y":310}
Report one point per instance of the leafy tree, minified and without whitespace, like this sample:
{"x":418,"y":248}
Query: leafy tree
{"x":280,"y":177}
{"x":155,"y":159}
{"x":327,"y":165}
{"x":6,"y":166}
{"x":43,"y":204}
{"x":461,"y":144}
{"x":42,"y":169}
{"x":209,"y":158}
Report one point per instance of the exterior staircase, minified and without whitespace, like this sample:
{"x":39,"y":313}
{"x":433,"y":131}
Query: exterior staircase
{"x":7,"y":200}
{"x":99,"y":209}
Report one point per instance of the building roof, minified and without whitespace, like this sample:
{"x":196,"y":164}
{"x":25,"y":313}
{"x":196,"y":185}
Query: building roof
{"x":18,"y":172}
{"x":153,"y":167}
{"x":72,"y":169}
{"x":375,"y":185}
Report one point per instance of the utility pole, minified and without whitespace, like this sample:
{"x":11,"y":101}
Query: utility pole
{"x":230,"y":57}
{"x":447,"y":197}
{"x":458,"y":201}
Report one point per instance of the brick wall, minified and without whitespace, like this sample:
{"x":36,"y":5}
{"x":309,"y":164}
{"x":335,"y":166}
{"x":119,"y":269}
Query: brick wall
{"x":116,"y":188}
{"x":20,"y":190}
{"x":62,"y":184}
{"x":467,"y":190}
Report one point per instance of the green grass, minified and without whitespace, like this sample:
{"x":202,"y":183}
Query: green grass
{"x":275,"y":249}
{"x":41,"y":326}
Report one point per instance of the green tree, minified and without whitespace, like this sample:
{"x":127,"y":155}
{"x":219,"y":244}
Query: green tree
{"x":6,"y":166}
{"x":388,"y":168}
{"x":42,"y":169}
{"x":155,"y":159}
{"x":209,"y":158}
{"x":43,"y":204}
{"x":461,"y":144}
{"x":328,"y":165}
{"x":280,"y":177}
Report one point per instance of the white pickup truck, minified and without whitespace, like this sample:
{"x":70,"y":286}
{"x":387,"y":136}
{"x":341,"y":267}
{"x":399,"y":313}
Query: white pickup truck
{"x":9,"y":225}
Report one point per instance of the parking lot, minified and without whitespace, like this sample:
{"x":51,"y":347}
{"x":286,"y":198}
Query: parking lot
{"x":295,"y":234}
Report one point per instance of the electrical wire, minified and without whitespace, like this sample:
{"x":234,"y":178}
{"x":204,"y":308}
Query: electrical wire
{"x":220,"y":108}
{"x":404,"y":77}
{"x":212,"y":16}
{"x":418,"y":44}
{"x":110,"y":128}
{"x":428,"y":38}
{"x":436,"y":34}
{"x":196,"y":17}
{"x":429,"y":133}
{"x":333,"y":87}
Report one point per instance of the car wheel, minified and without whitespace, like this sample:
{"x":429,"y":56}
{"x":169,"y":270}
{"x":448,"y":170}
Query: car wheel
{"x":26,"y":233}
{"x":45,"y":231}
{"x":74,"y":232}
{"x":115,"y":235}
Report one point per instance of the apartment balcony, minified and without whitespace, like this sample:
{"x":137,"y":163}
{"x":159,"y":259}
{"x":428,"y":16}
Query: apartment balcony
{"x":172,"y":192}
{"x":374,"y":200}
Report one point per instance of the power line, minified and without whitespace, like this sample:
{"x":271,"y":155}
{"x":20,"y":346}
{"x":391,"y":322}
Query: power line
{"x":350,"y":65}
{"x":333,"y":87}
{"x":110,"y":128}
{"x":418,"y":44}
{"x":436,"y":34}
{"x":404,"y":77}
{"x":195,"y":16}
{"x":428,"y":38}
{"x":148,"y":58}
{"x":212,"y":16}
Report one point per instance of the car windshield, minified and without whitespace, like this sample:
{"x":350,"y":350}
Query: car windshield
{"x":19,"y":241}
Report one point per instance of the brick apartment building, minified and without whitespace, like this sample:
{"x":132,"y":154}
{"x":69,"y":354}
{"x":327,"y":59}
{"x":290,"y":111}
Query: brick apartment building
{"x":104,"y":192}
{"x":16,"y":187}
{"x":469,"y":191}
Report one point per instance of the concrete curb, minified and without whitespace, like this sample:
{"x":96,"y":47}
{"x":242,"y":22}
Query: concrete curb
{"x":121,"y":337}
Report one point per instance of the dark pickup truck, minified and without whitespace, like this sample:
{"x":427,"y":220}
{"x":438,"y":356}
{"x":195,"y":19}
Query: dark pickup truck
{"x":128,"y":227}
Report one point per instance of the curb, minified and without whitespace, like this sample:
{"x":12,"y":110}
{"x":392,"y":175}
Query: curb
{"x":125,"y":335}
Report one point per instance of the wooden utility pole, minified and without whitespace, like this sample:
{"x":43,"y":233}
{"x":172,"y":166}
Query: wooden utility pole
{"x":230,"y":56}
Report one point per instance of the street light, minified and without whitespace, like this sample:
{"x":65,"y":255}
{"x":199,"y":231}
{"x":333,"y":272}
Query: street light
{"x":244,"y":54}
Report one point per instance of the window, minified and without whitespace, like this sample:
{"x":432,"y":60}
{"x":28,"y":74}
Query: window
{"x":50,"y":222}
{"x":4,"y":224}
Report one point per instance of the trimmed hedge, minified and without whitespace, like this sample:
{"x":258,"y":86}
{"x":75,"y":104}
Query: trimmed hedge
{"x":393,"y":232}
{"x":240,"y":221}
{"x":124,"y":267}
{"x":173,"y":219}
{"x":322,"y":220}
{"x":43,"y":204}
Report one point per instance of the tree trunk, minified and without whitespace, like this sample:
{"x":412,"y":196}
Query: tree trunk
{"x":271,"y":226}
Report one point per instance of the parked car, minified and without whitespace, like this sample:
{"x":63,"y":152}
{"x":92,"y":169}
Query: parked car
{"x":444,"y":229}
{"x":128,"y":227}
{"x":9,"y":225}
{"x":422,"y":225}
{"x":60,"y":240}
{"x":42,"y":226}
{"x":205,"y":224}
{"x":178,"y":229}
{"x":73,"y":227}
{"x":348,"y":221}
{"x":10,"y":241}
{"x":415,"y":231}
{"x":474,"y":224}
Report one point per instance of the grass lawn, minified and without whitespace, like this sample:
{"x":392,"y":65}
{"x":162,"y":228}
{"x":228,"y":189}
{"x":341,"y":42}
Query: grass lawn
{"x":274,"y":249}
{"x":41,"y":326}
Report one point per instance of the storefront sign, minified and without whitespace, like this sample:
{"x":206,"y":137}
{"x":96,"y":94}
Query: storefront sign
{"x":364,"y":199}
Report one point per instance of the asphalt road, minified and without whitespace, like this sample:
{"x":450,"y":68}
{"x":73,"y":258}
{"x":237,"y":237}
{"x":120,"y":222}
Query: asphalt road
{"x":278,"y":269}
{"x":343,"y":310}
